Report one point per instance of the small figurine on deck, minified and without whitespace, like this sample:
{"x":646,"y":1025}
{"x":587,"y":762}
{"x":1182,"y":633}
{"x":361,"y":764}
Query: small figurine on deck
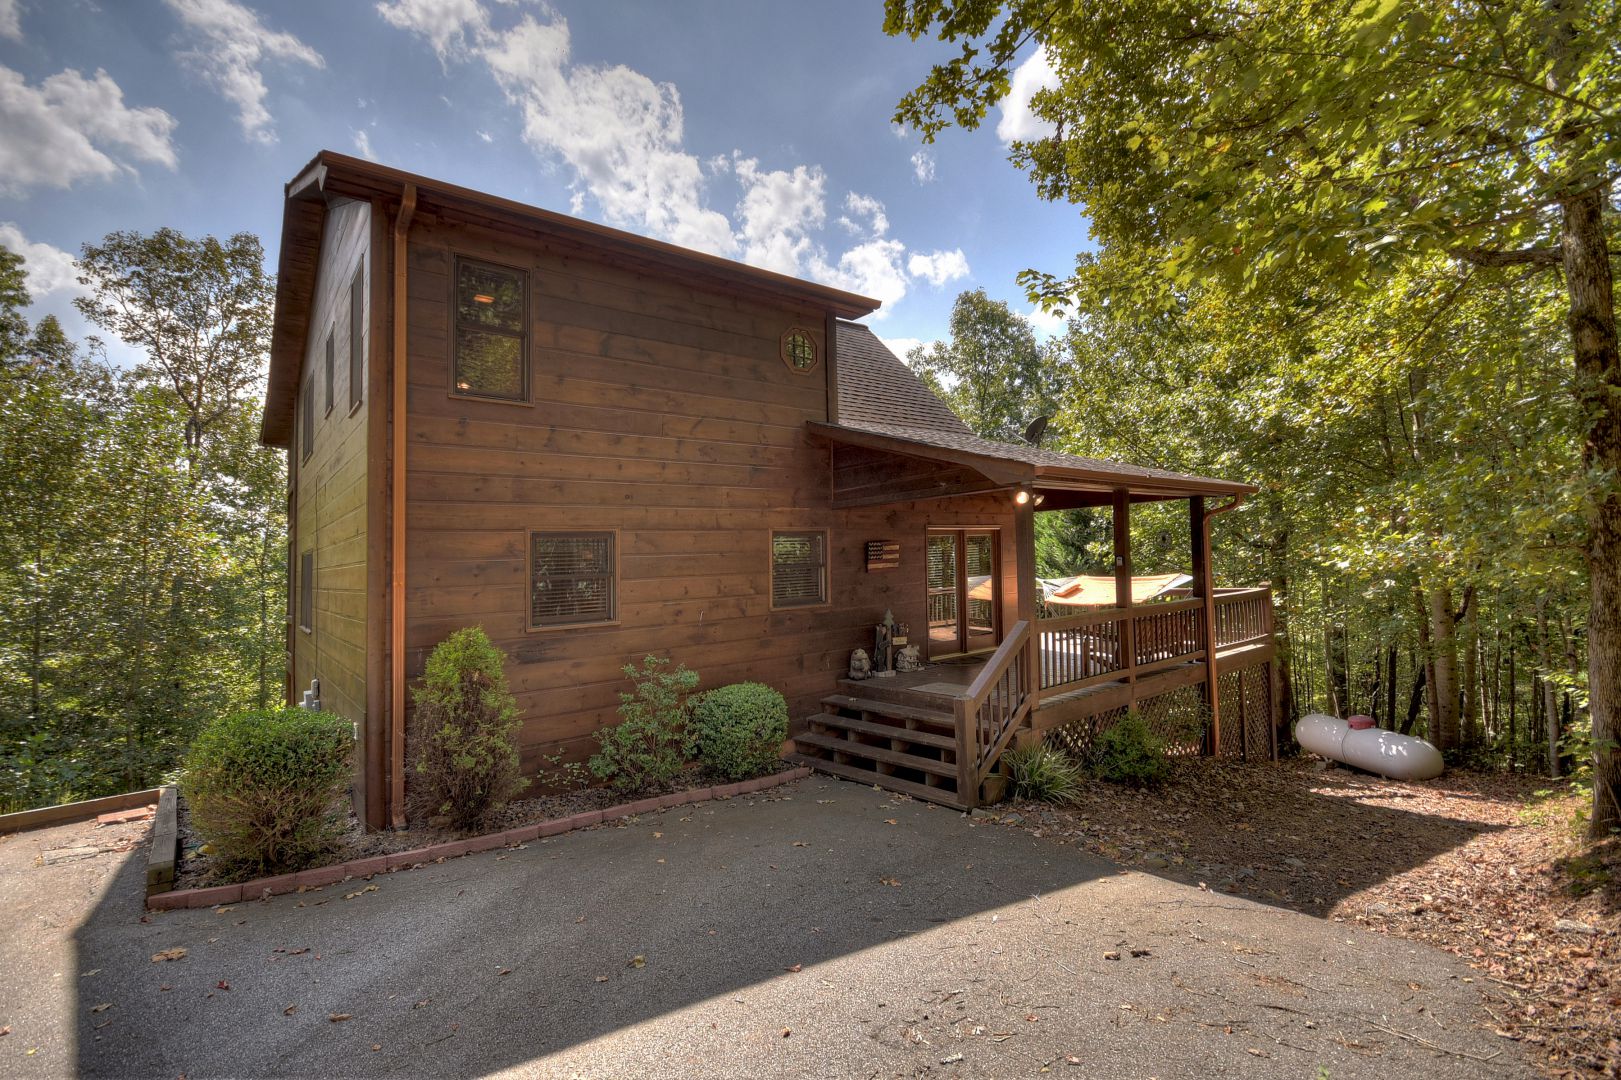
{"x":908,"y":659}
{"x":882,"y":660}
{"x":860,"y":665}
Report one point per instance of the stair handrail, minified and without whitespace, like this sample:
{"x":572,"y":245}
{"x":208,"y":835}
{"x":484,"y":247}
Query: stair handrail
{"x":979,"y":743}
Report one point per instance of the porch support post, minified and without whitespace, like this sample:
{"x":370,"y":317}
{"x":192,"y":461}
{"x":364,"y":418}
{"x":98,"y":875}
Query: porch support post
{"x":1204,"y":589}
{"x":1122,"y":592}
{"x":1024,"y":547}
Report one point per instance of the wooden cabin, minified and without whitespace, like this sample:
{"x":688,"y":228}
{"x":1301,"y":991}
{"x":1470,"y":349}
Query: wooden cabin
{"x":599,"y":446}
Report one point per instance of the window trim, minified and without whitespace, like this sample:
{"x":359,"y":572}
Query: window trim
{"x":787,"y":361}
{"x":524,"y":336}
{"x":614,"y":579}
{"x":826,"y":599}
{"x":306,"y":591}
{"x":357,"y":335}
{"x":329,"y":373}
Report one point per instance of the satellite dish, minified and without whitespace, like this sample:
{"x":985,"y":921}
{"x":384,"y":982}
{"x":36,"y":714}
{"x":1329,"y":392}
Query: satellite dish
{"x":1037,"y":428}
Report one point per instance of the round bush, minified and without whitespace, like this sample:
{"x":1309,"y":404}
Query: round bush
{"x":268,"y":789}
{"x":739,"y":729}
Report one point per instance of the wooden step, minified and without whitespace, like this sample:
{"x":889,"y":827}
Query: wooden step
{"x":943,"y":796}
{"x":891,"y":709}
{"x":898,"y":758}
{"x":885,"y":731}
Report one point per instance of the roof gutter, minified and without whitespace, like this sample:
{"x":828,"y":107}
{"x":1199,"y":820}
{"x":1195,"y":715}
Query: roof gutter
{"x":396,"y":605}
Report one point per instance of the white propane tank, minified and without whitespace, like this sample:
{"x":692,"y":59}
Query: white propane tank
{"x":1400,"y":757}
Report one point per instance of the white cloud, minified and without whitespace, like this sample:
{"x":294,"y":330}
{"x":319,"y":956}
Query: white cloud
{"x":486,"y":136}
{"x":69,"y":128}
{"x":938,"y":267}
{"x":864,"y":206}
{"x":923,"y":166}
{"x":1017,"y":121}
{"x":50,"y":269}
{"x":230,"y":44}
{"x":448,"y":25}
{"x":11,"y":20}
{"x":622,"y":136}
{"x":1045,"y":324}
{"x":363,"y":144}
{"x":900,"y":346}
{"x":776,"y":214}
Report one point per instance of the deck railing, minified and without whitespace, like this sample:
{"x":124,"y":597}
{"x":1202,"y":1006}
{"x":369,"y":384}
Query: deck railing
{"x":1113,"y":643}
{"x":996,"y":704}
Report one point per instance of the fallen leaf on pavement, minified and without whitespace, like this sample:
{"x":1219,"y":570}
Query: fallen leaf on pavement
{"x":504,"y":971}
{"x":103,"y":1007}
{"x":338,"y":1018}
{"x":602,"y":978}
{"x":176,"y":953}
{"x":638,"y":961}
{"x":289,"y":1010}
{"x":422,"y":1004}
{"x":893,"y":883}
{"x":796,"y":967}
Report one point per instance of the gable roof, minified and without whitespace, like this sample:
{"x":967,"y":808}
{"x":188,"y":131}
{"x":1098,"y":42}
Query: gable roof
{"x":884,"y":405}
{"x":331,"y":175}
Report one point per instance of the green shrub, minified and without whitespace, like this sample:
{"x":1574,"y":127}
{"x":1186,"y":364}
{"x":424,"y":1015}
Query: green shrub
{"x":465,"y":752}
{"x":1129,"y":753}
{"x":267,"y":789}
{"x":1044,"y":773}
{"x":651,"y":743}
{"x":738,"y":729}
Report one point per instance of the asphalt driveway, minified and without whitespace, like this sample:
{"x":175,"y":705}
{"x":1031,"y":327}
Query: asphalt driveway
{"x":823,"y":929}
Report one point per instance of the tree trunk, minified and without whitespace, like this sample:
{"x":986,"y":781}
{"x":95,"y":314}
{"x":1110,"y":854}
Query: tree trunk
{"x":1444,"y":670}
{"x":1590,"y":284}
{"x":1513,"y":708}
{"x":1471,"y":675}
{"x":1390,"y":686}
{"x":1549,"y":703}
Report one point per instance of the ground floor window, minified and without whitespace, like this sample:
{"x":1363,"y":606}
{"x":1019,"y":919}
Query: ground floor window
{"x":572,"y":578}
{"x":798,"y":568}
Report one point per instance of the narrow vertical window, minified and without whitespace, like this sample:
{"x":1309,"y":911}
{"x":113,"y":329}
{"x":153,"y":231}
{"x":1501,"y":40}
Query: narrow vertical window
{"x":491,"y":347}
{"x":308,"y":419}
{"x":571,"y":579}
{"x":306,"y":591}
{"x":798,"y":568}
{"x":328,"y":375}
{"x":357,"y":335}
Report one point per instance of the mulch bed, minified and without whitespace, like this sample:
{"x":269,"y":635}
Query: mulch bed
{"x":196,"y":870}
{"x":1491,"y":868}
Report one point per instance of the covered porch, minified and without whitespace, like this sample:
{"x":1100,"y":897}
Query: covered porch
{"x":1065,"y":658}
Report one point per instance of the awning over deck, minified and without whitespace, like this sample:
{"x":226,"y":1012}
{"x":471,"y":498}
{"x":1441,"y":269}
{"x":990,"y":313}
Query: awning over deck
{"x":885,"y":411}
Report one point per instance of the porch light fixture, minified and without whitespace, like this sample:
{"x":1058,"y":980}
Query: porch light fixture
{"x":1024,"y":498}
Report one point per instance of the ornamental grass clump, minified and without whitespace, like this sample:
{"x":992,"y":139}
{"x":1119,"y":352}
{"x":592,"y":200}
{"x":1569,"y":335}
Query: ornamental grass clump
{"x":465,"y":751}
{"x":1043,"y":773}
{"x":738,"y":729}
{"x":651,"y":743}
{"x":267,"y":790}
{"x":1130,"y":753}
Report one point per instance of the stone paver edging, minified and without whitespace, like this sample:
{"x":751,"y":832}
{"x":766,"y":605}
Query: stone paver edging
{"x":259,"y":888}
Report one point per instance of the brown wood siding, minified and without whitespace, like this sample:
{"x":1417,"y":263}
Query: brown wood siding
{"x":331,"y":488}
{"x":665,"y":412}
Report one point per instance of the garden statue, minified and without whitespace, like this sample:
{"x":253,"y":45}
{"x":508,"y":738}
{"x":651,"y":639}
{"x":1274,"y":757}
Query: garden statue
{"x":908,"y":659}
{"x":882,"y":665}
{"x":860,"y":665}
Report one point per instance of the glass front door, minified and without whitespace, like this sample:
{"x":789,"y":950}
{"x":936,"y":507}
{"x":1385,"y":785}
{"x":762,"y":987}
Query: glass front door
{"x":964,"y":591}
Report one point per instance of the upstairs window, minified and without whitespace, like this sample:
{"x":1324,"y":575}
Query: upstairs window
{"x":571,"y":579}
{"x":306,"y":591}
{"x":308,"y":419}
{"x":798,"y":569}
{"x":330,"y":374}
{"x":491,"y":348}
{"x":357,"y":336}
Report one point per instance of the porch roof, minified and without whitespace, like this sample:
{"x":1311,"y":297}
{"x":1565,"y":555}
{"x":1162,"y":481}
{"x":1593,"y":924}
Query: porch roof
{"x":884,"y":406}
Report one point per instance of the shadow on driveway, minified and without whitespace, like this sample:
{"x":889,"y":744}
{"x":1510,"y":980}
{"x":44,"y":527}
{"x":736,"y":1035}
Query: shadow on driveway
{"x":825,"y":929}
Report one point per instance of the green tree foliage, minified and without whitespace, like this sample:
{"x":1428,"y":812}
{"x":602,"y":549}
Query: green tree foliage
{"x":1352,"y":144}
{"x":992,"y":371}
{"x":465,"y":746}
{"x":141,"y":580}
{"x":14,"y":301}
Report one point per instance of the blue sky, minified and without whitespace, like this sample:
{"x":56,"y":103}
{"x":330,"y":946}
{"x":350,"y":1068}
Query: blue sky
{"x":757,"y":130}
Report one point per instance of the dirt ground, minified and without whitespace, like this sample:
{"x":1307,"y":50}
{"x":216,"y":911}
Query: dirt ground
{"x":1487,"y":867}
